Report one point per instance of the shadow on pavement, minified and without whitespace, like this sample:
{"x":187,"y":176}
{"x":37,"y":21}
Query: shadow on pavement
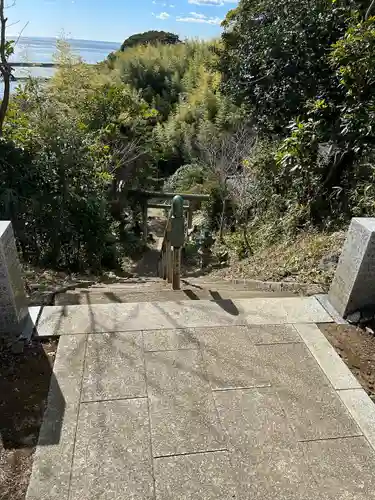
{"x":226,"y":304}
{"x":192,"y":295}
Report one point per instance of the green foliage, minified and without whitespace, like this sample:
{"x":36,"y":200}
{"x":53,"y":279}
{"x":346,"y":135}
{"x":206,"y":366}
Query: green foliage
{"x":9,"y":48}
{"x":305,"y":72}
{"x":74,"y":147}
{"x":67,"y":145}
{"x":274,"y":57}
{"x":158,"y":71}
{"x":353,"y":59}
{"x":150,"y":37}
{"x":54,"y":182}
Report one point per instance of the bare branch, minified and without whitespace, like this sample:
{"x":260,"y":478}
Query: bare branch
{"x":224,"y":158}
{"x":127,"y":153}
{"x":20,"y":34}
{"x":5,"y":68}
{"x":369,"y":9}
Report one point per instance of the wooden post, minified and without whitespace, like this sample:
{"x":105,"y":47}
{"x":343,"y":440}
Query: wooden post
{"x":163,"y":273}
{"x":144,"y":217}
{"x":190,"y":217}
{"x":176,"y":278}
{"x":168,"y":256}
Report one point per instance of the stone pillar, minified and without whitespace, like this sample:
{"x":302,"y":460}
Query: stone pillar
{"x":13,"y":300}
{"x":353,"y":286}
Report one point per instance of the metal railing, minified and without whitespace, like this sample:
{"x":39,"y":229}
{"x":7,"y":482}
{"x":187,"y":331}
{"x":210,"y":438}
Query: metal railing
{"x":173,"y":241}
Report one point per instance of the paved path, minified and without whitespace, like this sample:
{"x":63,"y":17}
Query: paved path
{"x":216,"y":411}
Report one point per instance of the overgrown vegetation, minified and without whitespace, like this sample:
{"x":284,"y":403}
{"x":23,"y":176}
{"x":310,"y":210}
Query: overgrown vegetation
{"x":275,"y":121}
{"x":306,"y":72}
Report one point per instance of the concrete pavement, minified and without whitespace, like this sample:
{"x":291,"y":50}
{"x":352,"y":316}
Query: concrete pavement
{"x":183,"y":401}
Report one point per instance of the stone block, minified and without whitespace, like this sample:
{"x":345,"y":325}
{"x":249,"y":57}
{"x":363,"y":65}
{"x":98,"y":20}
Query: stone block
{"x":13,"y":300}
{"x":316,"y":413}
{"x":205,"y":476}
{"x":342,"y":468}
{"x":114,"y":367}
{"x":254,"y":419}
{"x":112,"y":457}
{"x":280,"y":310}
{"x":231,"y":360}
{"x":362,"y":409}
{"x":173,"y":339}
{"x":50,"y":478}
{"x":330,"y":362}
{"x":182,"y":410}
{"x":353,"y":286}
{"x":280,"y":474}
{"x":273,"y":334}
{"x":291,"y":365}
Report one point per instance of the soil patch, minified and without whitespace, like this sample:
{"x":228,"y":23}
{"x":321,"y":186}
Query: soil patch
{"x":24,"y":384}
{"x":357,"y":348}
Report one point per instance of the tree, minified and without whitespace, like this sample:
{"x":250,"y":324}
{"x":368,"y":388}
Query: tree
{"x":6,"y":49}
{"x":274,"y":56}
{"x":224,"y":157}
{"x":152,"y":38}
{"x":243,"y":192}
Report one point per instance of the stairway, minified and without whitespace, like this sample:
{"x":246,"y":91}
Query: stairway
{"x":157,"y":290}
{"x":217,"y":391}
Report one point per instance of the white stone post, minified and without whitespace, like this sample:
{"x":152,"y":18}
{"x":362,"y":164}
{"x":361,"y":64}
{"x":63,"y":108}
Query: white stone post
{"x":13,"y":301}
{"x":353,"y":286}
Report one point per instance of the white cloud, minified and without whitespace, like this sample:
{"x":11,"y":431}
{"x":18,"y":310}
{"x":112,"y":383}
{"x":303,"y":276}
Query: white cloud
{"x":162,"y":15}
{"x":197,"y":15}
{"x":163,"y":4}
{"x":206,"y":20}
{"x":214,"y":3}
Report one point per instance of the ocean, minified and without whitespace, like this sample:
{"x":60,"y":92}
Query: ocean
{"x":34,"y":49}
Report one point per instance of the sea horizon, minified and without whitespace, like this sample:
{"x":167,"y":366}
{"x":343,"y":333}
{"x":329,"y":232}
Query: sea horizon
{"x":43,"y":49}
{"x":67,"y":39}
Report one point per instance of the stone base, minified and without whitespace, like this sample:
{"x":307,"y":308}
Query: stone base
{"x":13,"y":300}
{"x":353,"y":286}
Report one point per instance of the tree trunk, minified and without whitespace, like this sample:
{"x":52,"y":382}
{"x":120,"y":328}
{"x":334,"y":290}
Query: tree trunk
{"x":246,"y":239}
{"x":5,"y":101}
{"x":221,"y":229}
{"x":5,"y":68}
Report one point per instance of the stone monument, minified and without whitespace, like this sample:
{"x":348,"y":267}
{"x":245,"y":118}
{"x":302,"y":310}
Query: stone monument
{"x":353,"y":287}
{"x":13,"y":302}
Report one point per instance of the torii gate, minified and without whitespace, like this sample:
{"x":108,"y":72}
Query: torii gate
{"x":188,"y":209}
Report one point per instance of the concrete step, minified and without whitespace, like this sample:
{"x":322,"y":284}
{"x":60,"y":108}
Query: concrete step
{"x":120,"y":295}
{"x":117,"y":317}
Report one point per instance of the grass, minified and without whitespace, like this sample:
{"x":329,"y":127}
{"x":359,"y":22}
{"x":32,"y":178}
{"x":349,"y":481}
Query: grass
{"x":298,"y":259}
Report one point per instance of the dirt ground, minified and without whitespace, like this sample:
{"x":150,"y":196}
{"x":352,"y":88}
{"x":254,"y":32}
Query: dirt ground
{"x":357,"y":348}
{"x":24,"y":384}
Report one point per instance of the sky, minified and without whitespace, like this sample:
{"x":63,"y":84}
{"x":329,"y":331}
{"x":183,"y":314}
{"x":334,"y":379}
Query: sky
{"x":115,"y":20}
